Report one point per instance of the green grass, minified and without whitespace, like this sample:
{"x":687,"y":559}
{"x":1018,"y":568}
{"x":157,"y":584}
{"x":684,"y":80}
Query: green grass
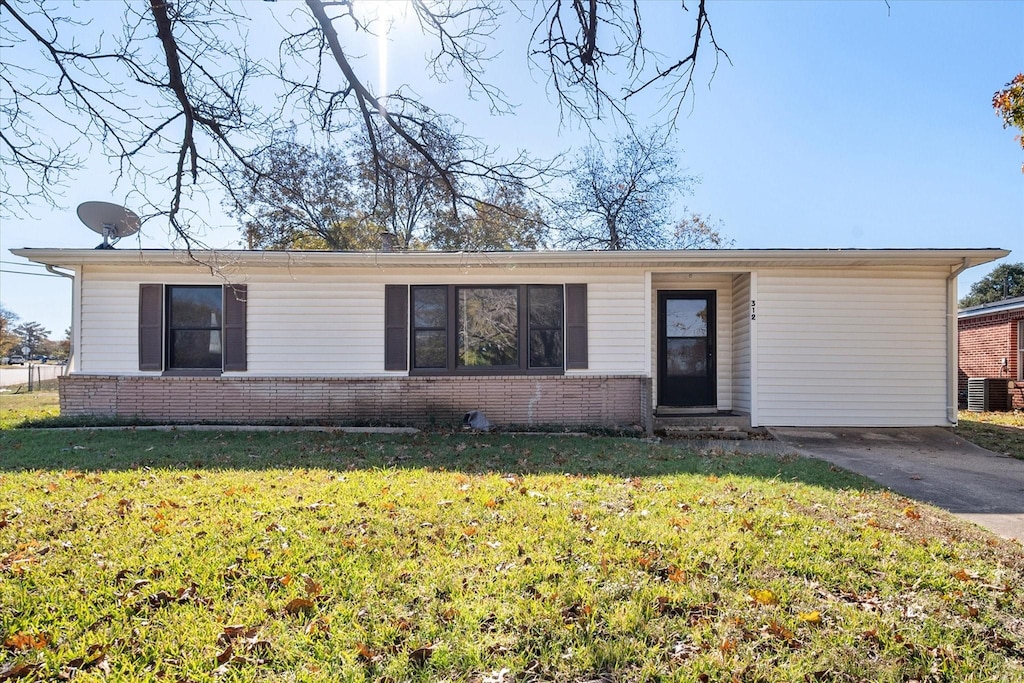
{"x":296,"y":556}
{"x":21,"y":407}
{"x":999,"y":432}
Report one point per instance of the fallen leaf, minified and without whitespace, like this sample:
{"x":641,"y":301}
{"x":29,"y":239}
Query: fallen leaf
{"x":313,"y":588}
{"x":365,"y":653}
{"x":420,"y":655}
{"x":225,"y":656}
{"x":764,"y":597}
{"x":779,"y":631}
{"x":963,"y":575}
{"x":910,"y":512}
{"x":298,"y":605}
{"x":813,"y":617}
{"x":676,"y":575}
{"x":319,"y":626}
{"x":18,"y":670}
{"x":95,"y":658}
{"x":230,"y":632}
{"x":26,"y":641}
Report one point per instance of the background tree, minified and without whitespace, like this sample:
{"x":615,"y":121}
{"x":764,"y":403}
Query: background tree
{"x":1006,"y":281}
{"x":327,"y":197}
{"x":297,"y":196}
{"x":699,"y":232}
{"x":64,"y":345}
{"x":623,"y":201}
{"x":506,"y":220}
{"x":33,"y":335}
{"x":8,"y":339}
{"x":1009,"y":104}
{"x":180,"y":92}
{"x":401,"y":191}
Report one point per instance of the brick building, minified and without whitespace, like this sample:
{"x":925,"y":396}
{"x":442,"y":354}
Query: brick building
{"x":992,"y":345}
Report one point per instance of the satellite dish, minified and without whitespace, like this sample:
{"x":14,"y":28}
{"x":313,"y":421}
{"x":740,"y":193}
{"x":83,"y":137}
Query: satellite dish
{"x":110,"y":220}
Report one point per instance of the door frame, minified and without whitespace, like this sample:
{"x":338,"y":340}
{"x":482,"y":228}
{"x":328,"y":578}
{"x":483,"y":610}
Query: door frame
{"x":711,"y":296}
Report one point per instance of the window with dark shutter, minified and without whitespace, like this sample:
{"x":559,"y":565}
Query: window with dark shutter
{"x":195,"y":315}
{"x":489,"y":329}
{"x":151,"y":319}
{"x":235,"y":298}
{"x":396,"y":320}
{"x":576,"y":357}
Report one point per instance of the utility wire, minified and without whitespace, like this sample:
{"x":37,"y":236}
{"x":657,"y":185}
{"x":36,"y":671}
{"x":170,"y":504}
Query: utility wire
{"x":21,"y":263}
{"x":17,"y":272}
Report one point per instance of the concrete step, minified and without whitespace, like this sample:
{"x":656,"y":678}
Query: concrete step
{"x":713,"y":421}
{"x":703,"y":432}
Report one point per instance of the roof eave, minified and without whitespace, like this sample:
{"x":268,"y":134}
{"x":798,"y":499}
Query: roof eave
{"x":714,"y":258}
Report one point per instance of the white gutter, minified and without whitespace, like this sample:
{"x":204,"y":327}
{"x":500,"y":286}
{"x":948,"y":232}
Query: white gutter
{"x":71,"y":351}
{"x":54,"y":270}
{"x":741,"y":260}
{"x":953,"y":344}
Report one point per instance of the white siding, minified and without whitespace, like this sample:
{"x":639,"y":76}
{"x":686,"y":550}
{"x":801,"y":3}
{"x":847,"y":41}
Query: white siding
{"x":615,"y":325}
{"x":318,"y":321}
{"x":109,"y":329}
{"x":851,"y":349}
{"x":741,"y":344}
{"x":722,"y":286}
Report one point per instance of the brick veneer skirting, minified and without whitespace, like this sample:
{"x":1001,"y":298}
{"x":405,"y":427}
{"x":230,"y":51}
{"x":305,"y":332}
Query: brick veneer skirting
{"x":985,"y":340}
{"x":533,"y":400}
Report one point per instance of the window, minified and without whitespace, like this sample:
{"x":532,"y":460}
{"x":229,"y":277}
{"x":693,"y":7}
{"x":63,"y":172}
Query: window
{"x":487,"y":325}
{"x":487,"y":329}
{"x":546,"y":315}
{"x":192,"y":329}
{"x":194,"y":316}
{"x":430,"y":328}
{"x":1020,"y":349}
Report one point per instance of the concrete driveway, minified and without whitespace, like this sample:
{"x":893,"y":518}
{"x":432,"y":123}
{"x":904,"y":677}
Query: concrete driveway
{"x":927,"y":464}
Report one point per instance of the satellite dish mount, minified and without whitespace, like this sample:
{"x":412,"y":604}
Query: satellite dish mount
{"x":113,"y":221}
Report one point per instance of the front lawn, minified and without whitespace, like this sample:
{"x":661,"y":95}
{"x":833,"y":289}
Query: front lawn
{"x":191,"y":556}
{"x":999,"y":432}
{"x":16,"y":408}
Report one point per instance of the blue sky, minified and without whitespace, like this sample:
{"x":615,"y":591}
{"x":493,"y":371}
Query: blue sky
{"x":837,"y":124}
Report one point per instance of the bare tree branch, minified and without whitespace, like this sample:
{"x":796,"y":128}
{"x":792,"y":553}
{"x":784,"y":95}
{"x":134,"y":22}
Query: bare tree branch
{"x":176,"y":94}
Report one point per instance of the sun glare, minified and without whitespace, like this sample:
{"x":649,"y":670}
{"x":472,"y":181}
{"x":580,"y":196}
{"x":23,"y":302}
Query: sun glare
{"x":383,"y":15}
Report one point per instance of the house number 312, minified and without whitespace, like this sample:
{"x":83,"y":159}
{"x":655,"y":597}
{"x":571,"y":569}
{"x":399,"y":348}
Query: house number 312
{"x":753,"y":310}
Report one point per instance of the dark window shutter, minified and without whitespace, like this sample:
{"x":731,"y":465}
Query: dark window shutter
{"x":396,"y":321}
{"x":576,"y":327}
{"x":235,"y":299}
{"x":151,"y":327}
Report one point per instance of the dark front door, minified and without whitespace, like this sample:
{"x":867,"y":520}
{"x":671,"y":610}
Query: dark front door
{"x":686,"y":349}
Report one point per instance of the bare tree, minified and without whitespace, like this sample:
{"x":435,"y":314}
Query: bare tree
{"x":696,"y":231}
{"x":621,"y":202}
{"x":401,"y":191}
{"x":581,"y":43}
{"x":179,"y":92}
{"x":625,"y":201}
